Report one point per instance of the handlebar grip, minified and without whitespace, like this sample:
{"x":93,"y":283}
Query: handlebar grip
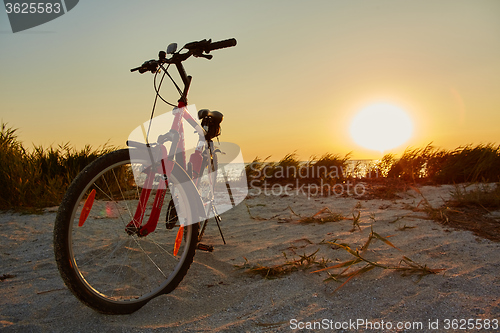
{"x":135,"y":69}
{"x":221,"y":44}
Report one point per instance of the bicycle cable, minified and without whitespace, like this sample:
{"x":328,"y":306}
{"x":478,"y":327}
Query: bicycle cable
{"x":165,"y":72}
{"x":171,"y":79}
{"x":157,"y":90}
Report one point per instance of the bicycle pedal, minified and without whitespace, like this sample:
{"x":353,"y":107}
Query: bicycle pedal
{"x":204,"y":247}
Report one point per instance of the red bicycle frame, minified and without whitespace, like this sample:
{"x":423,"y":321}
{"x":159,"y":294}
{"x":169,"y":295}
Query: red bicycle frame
{"x":176,"y":135}
{"x":177,"y":152}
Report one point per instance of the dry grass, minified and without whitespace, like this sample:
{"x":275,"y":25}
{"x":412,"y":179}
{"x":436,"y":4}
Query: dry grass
{"x":482,"y":195}
{"x":463,"y":164}
{"x":384,"y":188}
{"x":468,"y":210}
{"x":386,"y":178}
{"x":324,"y":215}
{"x":346,"y":270}
{"x":360,"y":264}
{"x":304,"y":262}
{"x":329,"y":168}
{"x":37,"y":179}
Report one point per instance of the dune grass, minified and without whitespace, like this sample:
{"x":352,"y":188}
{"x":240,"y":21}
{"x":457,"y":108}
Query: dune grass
{"x":468,"y":209}
{"x":329,"y":168}
{"x":463,"y":164}
{"x":486,"y":196}
{"x":427,"y":165}
{"x":38,"y":178}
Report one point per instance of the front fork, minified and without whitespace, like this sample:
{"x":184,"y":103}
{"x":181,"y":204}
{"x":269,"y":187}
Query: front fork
{"x":165,"y":169}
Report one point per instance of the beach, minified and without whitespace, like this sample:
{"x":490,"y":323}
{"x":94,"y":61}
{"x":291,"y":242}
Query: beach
{"x":220,"y":294}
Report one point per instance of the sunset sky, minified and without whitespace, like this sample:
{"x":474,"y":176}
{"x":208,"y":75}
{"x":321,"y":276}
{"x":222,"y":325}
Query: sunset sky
{"x":301,"y":72}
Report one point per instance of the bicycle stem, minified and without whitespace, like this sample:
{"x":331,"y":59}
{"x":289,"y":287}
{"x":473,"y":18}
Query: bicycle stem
{"x":186,"y":79}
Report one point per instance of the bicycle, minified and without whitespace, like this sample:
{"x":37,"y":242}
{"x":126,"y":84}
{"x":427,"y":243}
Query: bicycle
{"x":108,"y":258}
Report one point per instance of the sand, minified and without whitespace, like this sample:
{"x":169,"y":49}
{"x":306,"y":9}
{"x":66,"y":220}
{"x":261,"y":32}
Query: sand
{"x":215,"y":296}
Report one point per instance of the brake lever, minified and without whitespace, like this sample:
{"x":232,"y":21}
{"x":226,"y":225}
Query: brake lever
{"x":201,"y":55}
{"x":162,"y":55}
{"x":150,"y":65}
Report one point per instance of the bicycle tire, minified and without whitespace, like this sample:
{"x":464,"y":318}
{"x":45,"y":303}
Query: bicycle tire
{"x":106,"y":268}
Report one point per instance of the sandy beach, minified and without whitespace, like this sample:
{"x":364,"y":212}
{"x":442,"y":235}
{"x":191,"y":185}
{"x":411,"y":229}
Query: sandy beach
{"x":216,"y":296}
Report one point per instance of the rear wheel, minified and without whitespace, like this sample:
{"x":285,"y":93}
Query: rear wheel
{"x":109,"y":269}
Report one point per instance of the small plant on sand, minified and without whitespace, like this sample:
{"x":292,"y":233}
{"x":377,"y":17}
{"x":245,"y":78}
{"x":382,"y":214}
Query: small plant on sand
{"x":304,"y":262}
{"x":350,"y":269}
{"x":355,"y":222}
{"x":257,"y":218}
{"x":322,"y":216}
{"x":486,"y":196}
{"x":468,"y":210}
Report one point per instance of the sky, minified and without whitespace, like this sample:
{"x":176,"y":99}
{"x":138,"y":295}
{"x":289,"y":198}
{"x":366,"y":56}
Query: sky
{"x":301,"y":72}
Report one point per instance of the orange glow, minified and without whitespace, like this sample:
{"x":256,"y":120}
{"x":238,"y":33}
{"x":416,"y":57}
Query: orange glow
{"x":381,"y":127}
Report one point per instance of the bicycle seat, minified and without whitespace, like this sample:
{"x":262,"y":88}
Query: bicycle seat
{"x":215,"y":115}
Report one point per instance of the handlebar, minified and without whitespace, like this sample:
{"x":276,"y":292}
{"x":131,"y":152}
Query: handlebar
{"x":208,"y":45}
{"x":222,"y":44}
{"x":197,"y":49}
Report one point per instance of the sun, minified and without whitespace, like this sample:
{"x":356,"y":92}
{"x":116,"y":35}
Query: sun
{"x":381,"y":127}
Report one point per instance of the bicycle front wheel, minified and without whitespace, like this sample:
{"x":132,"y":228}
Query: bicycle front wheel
{"x":104,"y":264}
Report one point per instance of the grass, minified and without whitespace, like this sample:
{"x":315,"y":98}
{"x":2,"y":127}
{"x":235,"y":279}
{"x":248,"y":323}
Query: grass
{"x":346,"y":270}
{"x":329,"y":168}
{"x":387,"y":177}
{"x":355,"y":221}
{"x":486,"y":196}
{"x":416,"y":165}
{"x":322,"y":216}
{"x":384,"y":188}
{"x":467,"y":210}
{"x":304,"y":262}
{"x":37,"y":179}
{"x":463,"y":164}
